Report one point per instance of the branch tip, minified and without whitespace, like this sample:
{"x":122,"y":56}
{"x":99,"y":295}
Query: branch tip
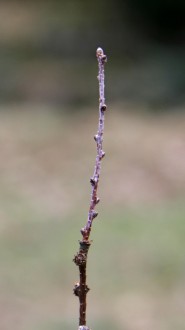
{"x":99,"y":52}
{"x":100,"y":55}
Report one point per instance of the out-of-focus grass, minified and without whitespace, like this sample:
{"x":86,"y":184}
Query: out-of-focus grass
{"x":136,"y":262}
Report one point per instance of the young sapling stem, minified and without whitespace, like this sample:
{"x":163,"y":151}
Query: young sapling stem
{"x":80,"y":289}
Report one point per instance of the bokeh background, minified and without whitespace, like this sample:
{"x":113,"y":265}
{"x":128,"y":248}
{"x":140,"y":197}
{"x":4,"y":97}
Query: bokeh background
{"x":48,"y":117}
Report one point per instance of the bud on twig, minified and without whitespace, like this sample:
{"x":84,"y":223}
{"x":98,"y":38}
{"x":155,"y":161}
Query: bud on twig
{"x":76,"y":289}
{"x":93,"y":181}
{"x":103,"y":107}
{"x":102,"y":154}
{"x":94,"y":214}
{"x":96,"y":137}
{"x":97,"y":200}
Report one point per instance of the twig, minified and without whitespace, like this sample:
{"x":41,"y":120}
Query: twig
{"x":80,"y":259}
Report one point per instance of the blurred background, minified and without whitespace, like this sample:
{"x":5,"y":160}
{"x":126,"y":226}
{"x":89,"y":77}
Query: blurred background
{"x":48,"y":117}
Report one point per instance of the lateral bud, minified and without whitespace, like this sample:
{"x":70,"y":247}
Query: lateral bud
{"x":84,"y":233}
{"x":103,"y":107}
{"x":94,"y":214}
{"x":80,"y":259}
{"x":87,"y":289}
{"x":76,"y":289}
{"x":102,"y":154}
{"x":97,"y":200}
{"x":104,"y":59}
{"x":96,"y":138}
{"x":93,"y":181}
{"x":82,"y":230}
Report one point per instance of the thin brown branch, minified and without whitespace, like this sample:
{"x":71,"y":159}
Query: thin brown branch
{"x":99,"y":141}
{"x":80,"y":259}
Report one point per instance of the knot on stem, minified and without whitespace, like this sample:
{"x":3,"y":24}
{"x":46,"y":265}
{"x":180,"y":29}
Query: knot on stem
{"x":77,"y":289}
{"x":80,"y":259}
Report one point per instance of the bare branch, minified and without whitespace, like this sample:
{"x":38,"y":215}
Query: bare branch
{"x":80,"y":289}
{"x":101,"y":57}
